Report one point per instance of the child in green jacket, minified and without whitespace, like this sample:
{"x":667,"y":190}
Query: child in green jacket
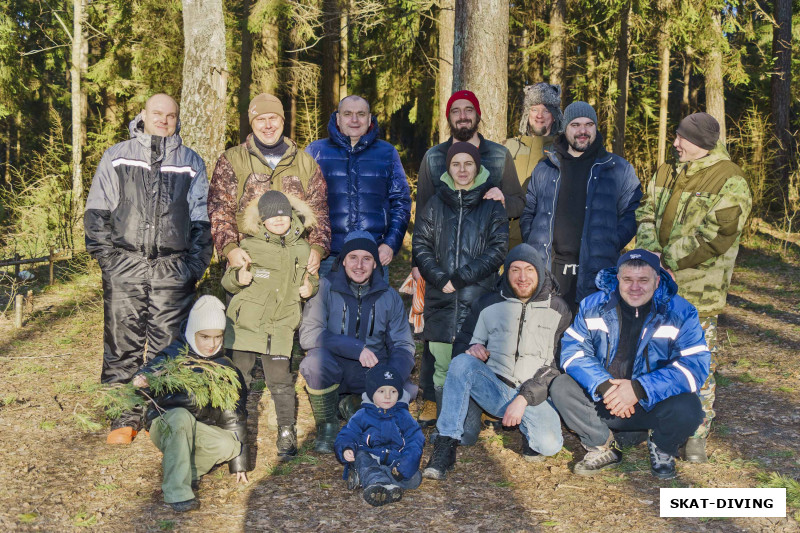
{"x":266,"y":307}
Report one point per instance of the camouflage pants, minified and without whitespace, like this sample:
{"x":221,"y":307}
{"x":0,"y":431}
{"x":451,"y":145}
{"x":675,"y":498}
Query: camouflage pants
{"x":708,"y":392}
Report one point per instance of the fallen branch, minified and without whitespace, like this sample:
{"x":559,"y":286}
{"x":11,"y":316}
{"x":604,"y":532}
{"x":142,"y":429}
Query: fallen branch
{"x":34,"y":356}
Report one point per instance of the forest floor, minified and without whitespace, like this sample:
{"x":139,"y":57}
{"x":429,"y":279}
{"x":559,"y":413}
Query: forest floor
{"x":56,"y":477}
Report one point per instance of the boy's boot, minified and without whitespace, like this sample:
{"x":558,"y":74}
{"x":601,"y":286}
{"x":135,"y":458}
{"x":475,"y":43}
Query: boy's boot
{"x":695,"y":450}
{"x":378,"y":494}
{"x":325,"y":407}
{"x":662,"y":464}
{"x":599,"y":458}
{"x":286,"y":442}
{"x":442,"y":459}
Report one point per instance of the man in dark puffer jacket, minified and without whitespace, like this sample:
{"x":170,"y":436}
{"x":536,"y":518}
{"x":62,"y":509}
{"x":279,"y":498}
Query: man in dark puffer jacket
{"x":367,"y":187}
{"x":194,"y":439}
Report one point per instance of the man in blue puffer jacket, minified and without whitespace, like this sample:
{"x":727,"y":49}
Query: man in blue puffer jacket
{"x":367,"y":187}
{"x":634,"y":358}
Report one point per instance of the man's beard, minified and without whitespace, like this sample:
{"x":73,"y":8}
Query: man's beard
{"x":578,"y":148}
{"x":539,"y":132}
{"x":464,"y":134}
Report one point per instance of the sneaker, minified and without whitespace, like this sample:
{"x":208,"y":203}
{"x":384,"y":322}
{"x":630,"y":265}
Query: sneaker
{"x":662,"y":464}
{"x":598,"y":458}
{"x":695,"y":450}
{"x":188,"y":505}
{"x":442,"y":459}
{"x":353,"y":481}
{"x":377,"y":495}
{"x":123,"y":435}
{"x":286,"y":442}
{"x":531,"y":455}
{"x":427,"y":415}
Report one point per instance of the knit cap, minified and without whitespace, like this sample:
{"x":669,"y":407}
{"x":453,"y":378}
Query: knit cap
{"x":273,"y":204}
{"x":207,"y":313}
{"x":360,"y":240}
{"x":643,"y":255}
{"x":579,"y":109}
{"x":700,"y":129}
{"x":464,"y":148}
{"x":542,"y":94}
{"x":264,"y":103}
{"x":464,"y":95}
{"x":381,"y":375}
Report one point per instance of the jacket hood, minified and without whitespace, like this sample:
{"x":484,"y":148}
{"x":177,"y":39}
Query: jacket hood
{"x":404,"y":398}
{"x":607,"y":282}
{"x":340,"y":139}
{"x":136,"y":131}
{"x":303,"y":218}
{"x":715,"y":155}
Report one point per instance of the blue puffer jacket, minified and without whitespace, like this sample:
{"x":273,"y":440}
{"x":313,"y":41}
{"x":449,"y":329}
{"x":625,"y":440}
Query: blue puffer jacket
{"x":672,"y":356}
{"x":613,"y":195}
{"x":367,"y":187}
{"x":391,"y":434}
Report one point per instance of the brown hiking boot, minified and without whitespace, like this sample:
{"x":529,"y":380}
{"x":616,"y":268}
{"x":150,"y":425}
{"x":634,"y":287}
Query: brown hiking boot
{"x":123,"y":435}
{"x":427,"y":415}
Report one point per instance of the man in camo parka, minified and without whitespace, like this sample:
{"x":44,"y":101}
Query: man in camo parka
{"x":693,"y":215}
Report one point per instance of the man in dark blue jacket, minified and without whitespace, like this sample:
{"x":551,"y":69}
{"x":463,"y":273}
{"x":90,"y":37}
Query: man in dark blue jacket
{"x":367,"y":187}
{"x":580,"y":206}
{"x":635,"y":358}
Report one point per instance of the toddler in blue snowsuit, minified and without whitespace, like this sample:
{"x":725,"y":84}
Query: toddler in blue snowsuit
{"x":381,"y":446}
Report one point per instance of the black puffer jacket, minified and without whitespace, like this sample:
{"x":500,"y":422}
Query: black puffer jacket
{"x":235,"y":421}
{"x":461,"y":238}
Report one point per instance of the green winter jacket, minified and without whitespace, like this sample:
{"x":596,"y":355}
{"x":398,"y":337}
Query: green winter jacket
{"x":694,"y":214}
{"x":263,"y":316}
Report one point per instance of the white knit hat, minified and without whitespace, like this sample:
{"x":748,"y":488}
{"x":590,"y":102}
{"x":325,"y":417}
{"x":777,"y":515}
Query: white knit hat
{"x":207,"y":313}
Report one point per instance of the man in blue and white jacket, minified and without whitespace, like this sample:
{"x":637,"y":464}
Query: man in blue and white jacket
{"x":634,"y":358}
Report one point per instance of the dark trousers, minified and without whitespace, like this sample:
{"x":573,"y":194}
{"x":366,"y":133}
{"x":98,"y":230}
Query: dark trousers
{"x":426,"y":368}
{"x":672,"y":420}
{"x":371,"y":472}
{"x":567,"y":277}
{"x":278,"y":377}
{"x":322,"y":369}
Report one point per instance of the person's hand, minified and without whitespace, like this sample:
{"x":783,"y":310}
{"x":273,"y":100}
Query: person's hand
{"x":415,"y":274}
{"x":239,"y":258}
{"x":495,"y":194}
{"x":621,"y":398}
{"x":385,"y":253}
{"x":514,"y":411}
{"x":314,"y":259}
{"x":305,"y":288}
{"x":478,"y":351}
{"x":244,"y":276}
{"x":367,"y":358}
{"x":349,"y":456}
{"x":140,"y":381}
{"x":241,"y":477}
{"x":449,"y":288}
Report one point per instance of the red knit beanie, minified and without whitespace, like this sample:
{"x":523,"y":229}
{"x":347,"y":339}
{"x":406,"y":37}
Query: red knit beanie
{"x":464,"y":95}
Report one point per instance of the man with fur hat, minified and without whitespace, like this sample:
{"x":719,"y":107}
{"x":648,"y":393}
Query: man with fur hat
{"x":540,"y":123}
{"x":693,"y":215}
{"x":267,"y":160}
{"x":353,"y":323}
{"x":509,"y":346}
{"x":580,"y":207}
{"x":146,"y":224}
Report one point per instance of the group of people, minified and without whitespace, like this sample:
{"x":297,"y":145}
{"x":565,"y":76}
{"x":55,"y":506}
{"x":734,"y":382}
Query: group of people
{"x":532,"y":313}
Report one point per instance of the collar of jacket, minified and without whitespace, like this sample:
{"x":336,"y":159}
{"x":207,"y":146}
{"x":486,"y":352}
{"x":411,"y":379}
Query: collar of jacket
{"x":340,"y":139}
{"x":168,"y":144}
{"x":469,"y":198}
{"x":607,"y":282}
{"x":288,"y":156}
{"x":715,"y":155}
{"x":341,"y":284}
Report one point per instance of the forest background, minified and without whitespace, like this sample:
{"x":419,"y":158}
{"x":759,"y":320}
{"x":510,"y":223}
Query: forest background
{"x":73,"y":73}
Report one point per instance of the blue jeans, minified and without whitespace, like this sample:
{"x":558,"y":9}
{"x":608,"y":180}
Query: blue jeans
{"x":327,"y":263}
{"x":470,"y":377}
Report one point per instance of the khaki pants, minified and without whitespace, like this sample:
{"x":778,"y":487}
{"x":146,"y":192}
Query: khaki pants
{"x":190,"y":450}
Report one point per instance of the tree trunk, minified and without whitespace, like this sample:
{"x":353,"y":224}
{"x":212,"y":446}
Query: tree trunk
{"x":558,"y":48}
{"x":291,"y":120}
{"x":329,"y":85}
{"x":480,"y":60}
{"x":344,"y":41}
{"x":77,"y":104}
{"x":447,"y":15}
{"x":623,"y":70}
{"x":591,"y":77}
{"x":266,"y":49}
{"x":663,"y":80}
{"x":246,"y":73}
{"x":687,"y":82}
{"x":715,"y":90}
{"x":781,"y":91}
{"x":205,"y":79}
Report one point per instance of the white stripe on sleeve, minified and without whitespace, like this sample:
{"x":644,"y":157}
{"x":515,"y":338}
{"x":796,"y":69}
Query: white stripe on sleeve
{"x":170,"y":168}
{"x":568,"y":361}
{"x":574,"y":334}
{"x":130,"y":162}
{"x":694,"y":349}
{"x":689,"y":376}
{"x":596,"y":323}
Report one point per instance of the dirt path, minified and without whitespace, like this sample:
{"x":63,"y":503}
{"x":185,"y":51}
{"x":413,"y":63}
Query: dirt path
{"x":53,"y":477}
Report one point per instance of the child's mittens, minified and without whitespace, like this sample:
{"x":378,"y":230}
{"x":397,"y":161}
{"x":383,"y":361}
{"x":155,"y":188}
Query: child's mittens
{"x":306,"y":288}
{"x":244,"y":276}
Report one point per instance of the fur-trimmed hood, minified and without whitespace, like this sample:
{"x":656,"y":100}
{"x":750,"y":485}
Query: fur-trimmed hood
{"x":303,"y":217}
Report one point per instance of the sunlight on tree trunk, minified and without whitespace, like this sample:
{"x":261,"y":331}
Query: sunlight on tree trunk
{"x":663,"y":82}
{"x":781,"y":97}
{"x":77,"y":104}
{"x":558,"y":48}
{"x":623,"y":74}
{"x":447,"y":15}
{"x":715,"y":90}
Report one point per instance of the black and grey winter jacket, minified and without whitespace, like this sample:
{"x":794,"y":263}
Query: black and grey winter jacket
{"x":148,"y":197}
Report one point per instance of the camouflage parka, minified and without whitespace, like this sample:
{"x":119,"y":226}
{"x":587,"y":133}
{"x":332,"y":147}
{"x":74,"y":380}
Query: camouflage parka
{"x":694,"y":214}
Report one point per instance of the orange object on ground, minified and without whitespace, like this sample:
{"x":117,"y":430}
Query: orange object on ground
{"x":121,"y":436}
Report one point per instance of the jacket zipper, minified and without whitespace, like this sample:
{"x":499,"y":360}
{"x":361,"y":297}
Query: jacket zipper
{"x":296,"y":265}
{"x":458,"y":259}
{"x":358,"y":313}
{"x":344,"y":317}
{"x":372,"y":321}
{"x":269,"y":344}
{"x":519,"y":330}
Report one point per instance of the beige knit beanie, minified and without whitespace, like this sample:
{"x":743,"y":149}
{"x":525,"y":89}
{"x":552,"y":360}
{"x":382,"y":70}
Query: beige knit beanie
{"x":264,"y":103}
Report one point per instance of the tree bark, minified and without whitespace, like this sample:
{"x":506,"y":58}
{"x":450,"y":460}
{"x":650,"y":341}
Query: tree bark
{"x":246,"y":72}
{"x":77,"y":104}
{"x":781,"y":91}
{"x":591,"y":77}
{"x":205,"y":79}
{"x":715,"y":90}
{"x":480,"y":60}
{"x":663,"y":80}
{"x":687,"y":82}
{"x":623,"y":71}
{"x":558,"y":48}
{"x":266,"y":49}
{"x":447,"y":15}
{"x":344,"y":41}
{"x":331,"y":27}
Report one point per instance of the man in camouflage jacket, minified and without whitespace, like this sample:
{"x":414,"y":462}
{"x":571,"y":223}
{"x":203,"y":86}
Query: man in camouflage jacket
{"x":693,"y":215}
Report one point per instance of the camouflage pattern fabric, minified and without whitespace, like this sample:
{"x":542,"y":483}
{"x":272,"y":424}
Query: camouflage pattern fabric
{"x":708,"y":392}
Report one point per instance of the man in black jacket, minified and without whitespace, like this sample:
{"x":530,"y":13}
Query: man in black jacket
{"x":194,"y":439}
{"x":147,"y":225}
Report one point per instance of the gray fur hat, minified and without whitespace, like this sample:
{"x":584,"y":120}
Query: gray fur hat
{"x":542,"y":93}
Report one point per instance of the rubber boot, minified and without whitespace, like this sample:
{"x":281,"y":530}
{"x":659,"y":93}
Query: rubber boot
{"x":325,"y":407}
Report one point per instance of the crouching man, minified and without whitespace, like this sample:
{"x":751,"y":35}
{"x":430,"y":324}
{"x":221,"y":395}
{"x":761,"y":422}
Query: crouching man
{"x":508,"y":346}
{"x":634,"y":359}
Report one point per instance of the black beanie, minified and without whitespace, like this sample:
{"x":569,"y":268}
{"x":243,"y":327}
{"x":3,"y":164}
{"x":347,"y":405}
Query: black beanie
{"x":360,"y":240}
{"x":274,"y":204}
{"x":380,"y":375}
{"x":464,"y":148}
{"x":700,"y":129}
